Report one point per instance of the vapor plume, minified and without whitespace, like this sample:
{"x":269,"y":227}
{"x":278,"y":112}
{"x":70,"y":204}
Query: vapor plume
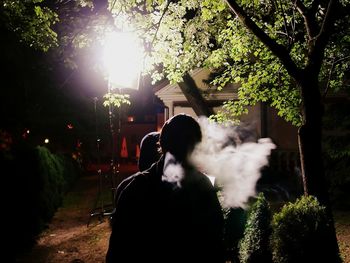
{"x":234,"y":157}
{"x":173,"y":171}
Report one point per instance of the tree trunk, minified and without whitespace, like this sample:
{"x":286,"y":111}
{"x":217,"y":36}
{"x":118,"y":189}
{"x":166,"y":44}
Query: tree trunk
{"x":194,"y":97}
{"x":310,"y":146}
{"x":310,"y":138}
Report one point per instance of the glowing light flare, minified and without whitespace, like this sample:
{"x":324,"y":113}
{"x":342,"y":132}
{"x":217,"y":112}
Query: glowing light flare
{"x":46,"y":141}
{"x":122,"y":58}
{"x":130,"y":118}
{"x":25,"y":133}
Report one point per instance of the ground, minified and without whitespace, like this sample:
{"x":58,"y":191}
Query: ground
{"x":342,"y":224}
{"x":74,"y":236}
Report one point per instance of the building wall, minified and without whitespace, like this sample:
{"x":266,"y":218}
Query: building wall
{"x":284,"y":134}
{"x":133,"y":133}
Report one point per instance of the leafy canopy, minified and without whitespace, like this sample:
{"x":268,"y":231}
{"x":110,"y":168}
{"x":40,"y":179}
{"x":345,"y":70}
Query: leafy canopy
{"x":183,"y":35}
{"x":187,"y":34}
{"x":31,"y":22}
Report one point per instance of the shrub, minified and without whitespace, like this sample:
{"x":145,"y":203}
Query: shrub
{"x":235,"y":220}
{"x":337,"y":171}
{"x":52,"y":182}
{"x":37,"y":180}
{"x":254,"y":247}
{"x":23,"y":181}
{"x":300,"y":233}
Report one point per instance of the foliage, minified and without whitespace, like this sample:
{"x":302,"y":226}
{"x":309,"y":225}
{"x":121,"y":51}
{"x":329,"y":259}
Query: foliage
{"x":336,"y":64}
{"x":38,"y":179}
{"x":185,"y":35}
{"x":337,"y":171}
{"x":52,"y":182}
{"x":235,"y":220}
{"x":254,"y":246}
{"x":32,"y":22}
{"x":62,"y":26}
{"x":336,"y":128}
{"x":116,"y":99}
{"x":300,"y":233}
{"x":336,"y":145}
{"x":81,"y":30}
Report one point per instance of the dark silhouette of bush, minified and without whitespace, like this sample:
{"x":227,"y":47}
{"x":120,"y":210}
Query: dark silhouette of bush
{"x":36,"y":180}
{"x":51,"y":171}
{"x":254,"y":246}
{"x":336,"y":154}
{"x":235,"y":220}
{"x":300,"y":233}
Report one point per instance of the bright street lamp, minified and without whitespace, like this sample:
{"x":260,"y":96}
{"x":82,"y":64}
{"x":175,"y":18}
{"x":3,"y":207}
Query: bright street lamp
{"x":122,"y":59}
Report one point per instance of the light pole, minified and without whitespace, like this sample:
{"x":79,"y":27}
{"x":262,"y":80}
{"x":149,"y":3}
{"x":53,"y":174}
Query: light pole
{"x":122,"y":58}
{"x":115,"y":145}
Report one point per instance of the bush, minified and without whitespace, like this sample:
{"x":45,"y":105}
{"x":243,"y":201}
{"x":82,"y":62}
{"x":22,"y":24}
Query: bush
{"x":51,"y":181}
{"x":300,"y":233}
{"x":337,"y":171}
{"x":235,"y":220}
{"x":336,"y":146}
{"x":37,"y":181}
{"x":23,"y":183}
{"x":254,"y":247}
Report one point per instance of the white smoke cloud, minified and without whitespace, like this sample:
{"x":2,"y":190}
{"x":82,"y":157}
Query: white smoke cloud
{"x":235,"y":163}
{"x":173,"y":172}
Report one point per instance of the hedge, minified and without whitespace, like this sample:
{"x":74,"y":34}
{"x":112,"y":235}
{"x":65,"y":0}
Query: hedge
{"x":36,"y":181}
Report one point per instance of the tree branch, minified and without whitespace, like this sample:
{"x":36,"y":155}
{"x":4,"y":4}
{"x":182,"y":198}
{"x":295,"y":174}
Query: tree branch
{"x":194,"y":97}
{"x":335,"y":62}
{"x":316,"y":50}
{"x":280,"y":6}
{"x":314,"y":7}
{"x":278,"y":50}
{"x":309,"y":19}
{"x":160,"y":21}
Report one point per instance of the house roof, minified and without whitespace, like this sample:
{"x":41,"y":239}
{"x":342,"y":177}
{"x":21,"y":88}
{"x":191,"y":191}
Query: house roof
{"x":171,"y":92}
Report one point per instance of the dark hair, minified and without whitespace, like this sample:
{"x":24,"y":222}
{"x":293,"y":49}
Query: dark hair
{"x":179,"y":136}
{"x":149,"y":150}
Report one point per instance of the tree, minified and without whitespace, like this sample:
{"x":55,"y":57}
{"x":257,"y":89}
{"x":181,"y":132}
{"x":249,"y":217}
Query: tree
{"x":285,"y":53}
{"x":32,"y":22}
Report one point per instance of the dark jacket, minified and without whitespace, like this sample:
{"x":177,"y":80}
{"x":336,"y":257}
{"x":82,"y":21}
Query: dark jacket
{"x":156,"y":221}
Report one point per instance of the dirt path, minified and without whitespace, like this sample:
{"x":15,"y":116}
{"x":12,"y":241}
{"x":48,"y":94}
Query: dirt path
{"x":69,"y":238}
{"x":342,"y":225}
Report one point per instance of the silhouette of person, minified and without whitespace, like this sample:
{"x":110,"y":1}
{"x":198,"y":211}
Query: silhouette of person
{"x":149,"y":150}
{"x":149,"y":154}
{"x":169,"y":212}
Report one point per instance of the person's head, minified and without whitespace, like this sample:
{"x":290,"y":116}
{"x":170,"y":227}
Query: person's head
{"x":179,"y":135}
{"x":149,"y":150}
